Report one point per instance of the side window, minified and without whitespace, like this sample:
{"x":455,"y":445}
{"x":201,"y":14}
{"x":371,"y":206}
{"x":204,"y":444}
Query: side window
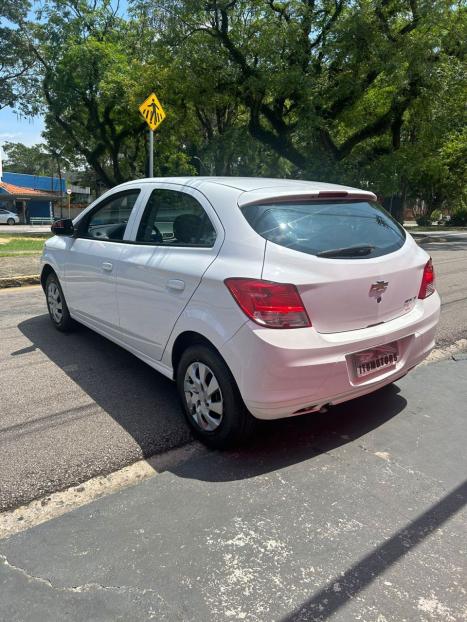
{"x":176,"y":219}
{"x":109,"y":220}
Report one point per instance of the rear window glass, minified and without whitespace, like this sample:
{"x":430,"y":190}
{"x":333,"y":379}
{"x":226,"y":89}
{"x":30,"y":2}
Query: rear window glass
{"x":352,"y":229}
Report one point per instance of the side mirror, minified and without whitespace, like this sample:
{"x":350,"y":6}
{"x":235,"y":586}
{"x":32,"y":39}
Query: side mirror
{"x":63,"y":227}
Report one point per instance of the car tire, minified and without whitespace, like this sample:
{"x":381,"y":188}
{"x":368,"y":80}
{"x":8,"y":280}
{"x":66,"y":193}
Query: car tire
{"x":10,"y":221}
{"x":217,"y":416}
{"x":56,"y":304}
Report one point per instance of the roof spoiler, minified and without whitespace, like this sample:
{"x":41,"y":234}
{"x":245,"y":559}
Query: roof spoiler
{"x":325,"y":195}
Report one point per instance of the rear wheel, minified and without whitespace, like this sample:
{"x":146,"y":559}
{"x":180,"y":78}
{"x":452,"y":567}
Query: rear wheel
{"x":210,"y":398}
{"x":10,"y":221}
{"x":56,"y":303}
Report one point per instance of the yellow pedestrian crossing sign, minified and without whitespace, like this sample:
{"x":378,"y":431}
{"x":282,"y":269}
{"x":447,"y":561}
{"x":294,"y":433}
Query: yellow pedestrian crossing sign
{"x":152,"y":111}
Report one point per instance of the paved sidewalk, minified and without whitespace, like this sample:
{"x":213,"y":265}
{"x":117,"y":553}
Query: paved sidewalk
{"x":25,"y":229}
{"x":19,"y":266}
{"x":354,"y":515}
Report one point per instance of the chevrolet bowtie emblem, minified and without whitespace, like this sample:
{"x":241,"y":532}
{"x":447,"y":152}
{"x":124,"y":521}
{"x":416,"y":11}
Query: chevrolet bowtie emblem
{"x":377,"y":289}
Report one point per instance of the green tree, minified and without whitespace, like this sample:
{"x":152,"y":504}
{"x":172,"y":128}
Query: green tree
{"x":369,"y":93}
{"x":328,"y":85}
{"x":211,"y":119}
{"x":92,"y":83}
{"x":16,"y":59}
{"x":33,"y":160}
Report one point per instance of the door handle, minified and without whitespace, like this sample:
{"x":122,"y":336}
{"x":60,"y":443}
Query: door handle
{"x":107,"y":266}
{"x":176,"y":284}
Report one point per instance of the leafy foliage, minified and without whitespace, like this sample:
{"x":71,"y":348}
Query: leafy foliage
{"x":459,"y":217}
{"x":16,"y":59}
{"x":92,"y":82}
{"x":436,"y":215}
{"x":368,"y":93}
{"x":423,"y":221}
{"x":30,"y":160}
{"x":325,"y":83}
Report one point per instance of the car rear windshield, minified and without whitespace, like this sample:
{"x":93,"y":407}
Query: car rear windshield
{"x":337,"y":229}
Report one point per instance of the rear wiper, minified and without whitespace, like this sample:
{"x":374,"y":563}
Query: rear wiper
{"x":347,"y":251}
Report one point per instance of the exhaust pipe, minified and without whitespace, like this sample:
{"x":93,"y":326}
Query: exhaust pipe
{"x":312,"y":409}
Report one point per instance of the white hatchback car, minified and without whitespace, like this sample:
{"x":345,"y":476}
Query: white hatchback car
{"x":7,"y":217}
{"x":263,"y":297}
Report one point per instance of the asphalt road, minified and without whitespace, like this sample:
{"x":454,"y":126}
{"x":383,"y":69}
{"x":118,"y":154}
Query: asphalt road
{"x":75,"y":406}
{"x":356,"y":514}
{"x":72,"y":406}
{"x":450,"y":261}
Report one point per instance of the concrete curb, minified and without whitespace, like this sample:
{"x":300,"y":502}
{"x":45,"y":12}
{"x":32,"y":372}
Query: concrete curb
{"x":27,"y":234}
{"x":427,"y":236}
{"x":61,"y":502}
{"x":19,"y":281}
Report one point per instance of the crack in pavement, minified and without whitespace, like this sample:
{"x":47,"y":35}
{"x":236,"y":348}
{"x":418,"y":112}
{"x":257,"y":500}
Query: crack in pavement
{"x":86,"y":587}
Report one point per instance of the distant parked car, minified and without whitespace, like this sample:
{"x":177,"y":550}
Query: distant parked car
{"x":261,"y":298}
{"x":8,"y":218}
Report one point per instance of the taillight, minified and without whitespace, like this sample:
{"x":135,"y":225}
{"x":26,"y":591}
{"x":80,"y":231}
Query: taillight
{"x":428,"y":281}
{"x":276,"y":305}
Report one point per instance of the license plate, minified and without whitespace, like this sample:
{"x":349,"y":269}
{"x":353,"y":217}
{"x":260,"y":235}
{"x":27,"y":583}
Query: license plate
{"x":375,"y":360}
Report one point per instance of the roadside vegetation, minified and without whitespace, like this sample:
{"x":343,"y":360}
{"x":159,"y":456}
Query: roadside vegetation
{"x":20,"y":246}
{"x":457,"y":218}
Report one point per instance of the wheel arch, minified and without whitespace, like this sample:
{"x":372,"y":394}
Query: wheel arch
{"x":46,"y":270}
{"x":186,"y":339}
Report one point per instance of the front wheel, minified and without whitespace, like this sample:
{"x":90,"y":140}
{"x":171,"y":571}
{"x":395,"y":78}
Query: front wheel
{"x":10,"y":221}
{"x":210,"y":398}
{"x":56,"y":304}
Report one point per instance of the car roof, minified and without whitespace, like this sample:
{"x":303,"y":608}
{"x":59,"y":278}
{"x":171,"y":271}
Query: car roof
{"x":261,"y":188}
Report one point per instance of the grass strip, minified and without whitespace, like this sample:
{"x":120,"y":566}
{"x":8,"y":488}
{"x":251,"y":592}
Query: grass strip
{"x":10,"y":246}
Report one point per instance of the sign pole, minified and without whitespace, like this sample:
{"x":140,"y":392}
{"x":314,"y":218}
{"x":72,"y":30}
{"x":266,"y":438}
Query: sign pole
{"x":68,"y":192}
{"x":151,"y":153}
{"x":153,"y":113}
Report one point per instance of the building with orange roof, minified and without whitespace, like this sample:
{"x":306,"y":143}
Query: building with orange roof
{"x":30,"y":196}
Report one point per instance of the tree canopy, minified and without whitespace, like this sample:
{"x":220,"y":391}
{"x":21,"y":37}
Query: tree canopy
{"x":30,"y":160}
{"x":16,"y":59}
{"x":369,"y":93}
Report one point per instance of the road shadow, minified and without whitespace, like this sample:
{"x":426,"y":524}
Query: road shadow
{"x":324,"y":603}
{"x":140,"y":400}
{"x":145,"y":404}
{"x":278,"y":444}
{"x":431,"y":245}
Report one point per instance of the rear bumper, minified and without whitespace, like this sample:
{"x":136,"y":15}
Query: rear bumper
{"x":280,"y":372}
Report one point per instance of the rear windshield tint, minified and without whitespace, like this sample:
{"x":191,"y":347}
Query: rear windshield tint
{"x":350,"y":229}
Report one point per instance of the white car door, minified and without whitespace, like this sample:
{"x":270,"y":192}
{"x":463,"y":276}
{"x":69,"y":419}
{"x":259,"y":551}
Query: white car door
{"x":91,"y":260}
{"x":3,"y":216}
{"x":177,"y":238}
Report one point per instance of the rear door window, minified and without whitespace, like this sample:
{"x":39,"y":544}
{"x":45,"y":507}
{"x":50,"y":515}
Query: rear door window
{"x":176,"y":219}
{"x":337,"y":229}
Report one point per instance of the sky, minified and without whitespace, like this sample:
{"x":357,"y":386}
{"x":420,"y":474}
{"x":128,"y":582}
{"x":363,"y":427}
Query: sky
{"x":19,"y":130}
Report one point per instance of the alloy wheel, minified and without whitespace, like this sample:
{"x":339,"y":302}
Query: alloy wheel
{"x":203,"y":396}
